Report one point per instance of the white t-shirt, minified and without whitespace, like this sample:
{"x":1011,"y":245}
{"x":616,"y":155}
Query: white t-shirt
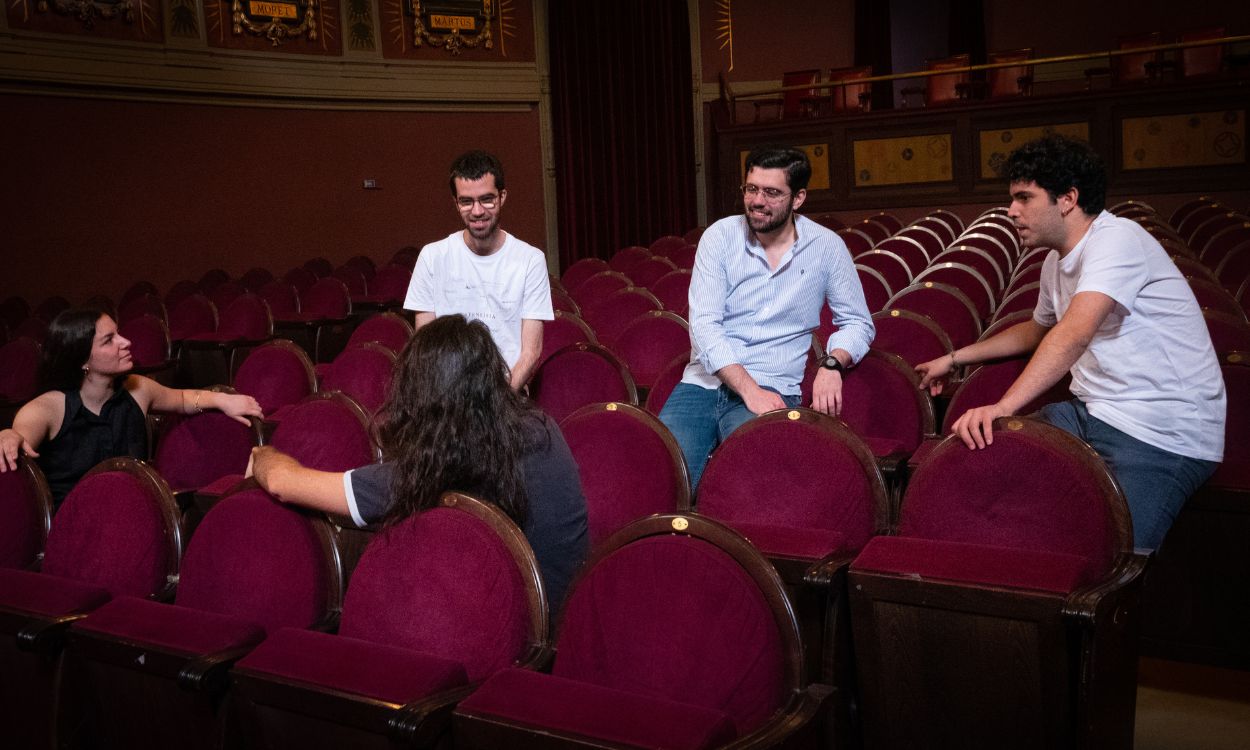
{"x":1150,"y":370}
{"x":500,"y":289}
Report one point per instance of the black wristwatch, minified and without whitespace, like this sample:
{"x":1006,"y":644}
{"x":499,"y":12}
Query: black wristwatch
{"x":830,"y":362}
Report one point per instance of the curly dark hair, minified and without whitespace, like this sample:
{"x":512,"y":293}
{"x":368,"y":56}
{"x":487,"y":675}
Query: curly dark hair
{"x":473,"y":165}
{"x":67,"y":347}
{"x":1057,"y":164}
{"x":453,"y":423}
{"x":792,"y":160}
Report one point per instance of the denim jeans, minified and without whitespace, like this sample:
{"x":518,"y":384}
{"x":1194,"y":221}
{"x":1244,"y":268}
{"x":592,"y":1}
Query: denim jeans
{"x":1156,"y":482}
{"x":701,"y":418}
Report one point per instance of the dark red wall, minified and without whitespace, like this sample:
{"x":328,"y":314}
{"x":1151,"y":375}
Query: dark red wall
{"x":100,"y":193}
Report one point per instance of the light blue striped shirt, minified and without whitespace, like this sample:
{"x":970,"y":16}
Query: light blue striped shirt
{"x":742,"y":312}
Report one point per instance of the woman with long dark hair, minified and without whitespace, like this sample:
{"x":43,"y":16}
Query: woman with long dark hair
{"x":453,"y":423}
{"x":93,"y":409}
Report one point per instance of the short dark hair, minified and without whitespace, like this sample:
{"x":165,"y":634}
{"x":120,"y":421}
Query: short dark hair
{"x":472,"y":165}
{"x":792,"y":160}
{"x":67,"y":347}
{"x":1057,"y":164}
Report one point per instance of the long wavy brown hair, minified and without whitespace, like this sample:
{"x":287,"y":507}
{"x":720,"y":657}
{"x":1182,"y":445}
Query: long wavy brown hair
{"x":453,"y":423}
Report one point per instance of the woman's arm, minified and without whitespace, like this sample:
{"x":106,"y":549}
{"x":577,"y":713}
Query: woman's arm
{"x":152,"y":395}
{"x":291,"y":482}
{"x":32,"y":425}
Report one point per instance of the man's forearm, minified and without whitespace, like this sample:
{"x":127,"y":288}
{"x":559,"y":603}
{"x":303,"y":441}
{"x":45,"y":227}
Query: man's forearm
{"x":736,"y":377}
{"x":1021,"y":338}
{"x":523,"y":370}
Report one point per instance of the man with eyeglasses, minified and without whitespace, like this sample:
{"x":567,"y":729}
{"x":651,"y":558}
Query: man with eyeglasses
{"x":760,"y":281}
{"x":483,"y":272}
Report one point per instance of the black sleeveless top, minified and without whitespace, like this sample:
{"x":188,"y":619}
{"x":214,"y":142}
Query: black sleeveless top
{"x":85,"y":439}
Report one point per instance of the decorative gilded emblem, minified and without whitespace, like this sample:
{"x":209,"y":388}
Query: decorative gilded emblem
{"x":88,"y":11}
{"x":276,"y":20}
{"x":792,"y":415}
{"x":611,"y":406}
{"x":1014,"y":425}
{"x":680,"y":524}
{"x":895,"y":313}
{"x":452,"y":24}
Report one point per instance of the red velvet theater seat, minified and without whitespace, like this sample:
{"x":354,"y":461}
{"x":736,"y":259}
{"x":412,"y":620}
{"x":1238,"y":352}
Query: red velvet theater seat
{"x":566,"y":329}
{"x":153,"y":674}
{"x":582,"y":270}
{"x":277,"y":374}
{"x":195,"y":450}
{"x":912,"y":336}
{"x":649,"y":342}
{"x":678,"y":634}
{"x":25,"y":514}
{"x":1004,"y":614}
{"x":581,"y":374}
{"x":115,"y":534}
{"x":363,"y":372}
{"x":808,"y":494}
{"x":439,"y":602}
{"x":630,"y":466}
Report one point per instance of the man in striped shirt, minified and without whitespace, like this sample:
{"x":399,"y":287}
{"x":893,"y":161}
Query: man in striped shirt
{"x":759,"y":282}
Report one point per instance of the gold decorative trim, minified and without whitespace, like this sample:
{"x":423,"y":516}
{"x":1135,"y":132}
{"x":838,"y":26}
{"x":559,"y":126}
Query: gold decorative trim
{"x":453,"y":41}
{"x":277,"y":30}
{"x":680,"y":524}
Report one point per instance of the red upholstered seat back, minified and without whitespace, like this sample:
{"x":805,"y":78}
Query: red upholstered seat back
{"x":665,"y":382}
{"x":582,"y":270}
{"x":578,"y":375}
{"x":276,"y":374}
{"x":881,"y":399}
{"x":609,"y":316}
{"x":19,"y":369}
{"x":194,"y":315}
{"x":300,"y":278}
{"x":387,"y":329}
{"x":649,"y":342}
{"x":327,"y":432}
{"x":648,"y":271}
{"x":667,"y":244}
{"x":282,"y":297}
{"x":987,"y":384}
{"x":328,"y":298}
{"x":599,"y":286}
{"x":1035,"y":488}
{"x":202,"y":448}
{"x":1229,"y":333}
{"x":149,"y":340}
{"x":675,"y":617}
{"x":795,"y":468}
{"x":180,"y":291}
{"x":247,"y":317}
{"x":257,"y":559}
{"x":915,"y":338}
{"x":684,"y":257}
{"x":990,"y":264}
{"x":566,"y":329}
{"x":116,"y":530}
{"x":138,"y":289}
{"x":390,"y":283}
{"x":891,"y":267}
{"x":319,"y":267}
{"x":927,"y":234}
{"x":876,"y":289}
{"x":947,"y":306}
{"x":255,"y":278}
{"x":628,"y":257}
{"x":909,"y":249}
{"x":967,"y":280}
{"x":856,"y":241}
{"x":212,"y":278}
{"x":444,"y":582}
{"x":25,"y":512}
{"x":363,"y":372}
{"x":224,"y":293}
{"x":143,"y":304}
{"x":629,"y":463}
{"x":673,"y":291}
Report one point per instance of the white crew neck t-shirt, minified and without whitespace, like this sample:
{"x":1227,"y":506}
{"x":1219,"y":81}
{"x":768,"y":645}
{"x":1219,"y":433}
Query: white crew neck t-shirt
{"x":500,"y":289}
{"x":1150,"y":370}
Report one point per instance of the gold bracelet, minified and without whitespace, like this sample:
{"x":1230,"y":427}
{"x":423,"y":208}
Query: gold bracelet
{"x":197,"y":408}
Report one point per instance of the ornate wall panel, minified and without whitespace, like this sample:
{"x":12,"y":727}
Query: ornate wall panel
{"x":131,"y":20}
{"x":1188,"y":140}
{"x":817,"y":154}
{"x":996,"y":144}
{"x":902,"y":161}
{"x":309,"y":27}
{"x":463,"y":30}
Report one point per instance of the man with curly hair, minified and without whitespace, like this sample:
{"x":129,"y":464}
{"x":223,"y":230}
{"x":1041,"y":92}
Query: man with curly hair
{"x":1115,"y":312}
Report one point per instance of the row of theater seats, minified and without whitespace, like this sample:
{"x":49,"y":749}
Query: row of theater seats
{"x":787,"y":607}
{"x":198,"y":333}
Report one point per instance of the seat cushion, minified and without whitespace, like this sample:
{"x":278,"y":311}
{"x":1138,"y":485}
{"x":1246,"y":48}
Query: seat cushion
{"x":789,"y":541}
{"x":1054,"y":572}
{"x":882,"y":447}
{"x":183,"y":630}
{"x":220,"y":486}
{"x":567,"y":706}
{"x":922,"y":452}
{"x":48,"y":595}
{"x":375,"y":670}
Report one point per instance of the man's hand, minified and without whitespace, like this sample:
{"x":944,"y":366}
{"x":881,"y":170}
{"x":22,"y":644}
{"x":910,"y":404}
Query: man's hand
{"x":11,"y":445}
{"x":933,"y":373}
{"x":827,"y":392}
{"x":976,"y":426}
{"x":761,"y":400}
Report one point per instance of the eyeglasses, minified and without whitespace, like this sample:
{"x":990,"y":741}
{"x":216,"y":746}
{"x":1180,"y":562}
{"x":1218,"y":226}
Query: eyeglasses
{"x":487,"y":202}
{"x":772,"y":195}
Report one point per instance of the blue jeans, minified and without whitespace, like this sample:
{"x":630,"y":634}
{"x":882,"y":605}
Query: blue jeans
{"x":1156,"y":482}
{"x":701,"y":418}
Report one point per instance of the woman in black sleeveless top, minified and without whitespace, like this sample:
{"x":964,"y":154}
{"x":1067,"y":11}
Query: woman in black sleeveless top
{"x":94,"y":410}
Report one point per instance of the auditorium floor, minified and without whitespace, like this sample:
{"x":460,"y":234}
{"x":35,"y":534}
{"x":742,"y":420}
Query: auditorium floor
{"x":1182,"y":706}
